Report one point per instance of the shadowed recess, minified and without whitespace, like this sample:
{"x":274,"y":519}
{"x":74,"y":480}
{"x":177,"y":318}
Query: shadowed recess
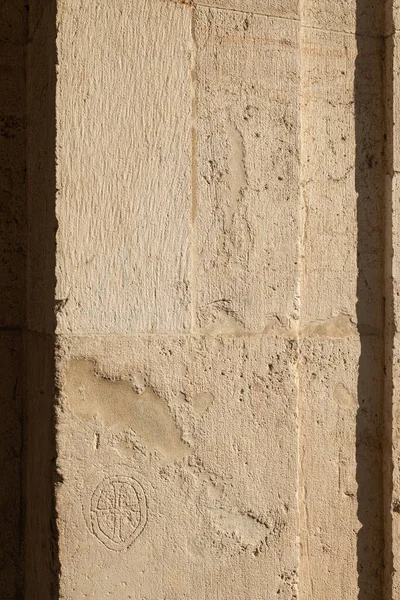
{"x":41,"y":556}
{"x":369,"y":181}
{"x":13,"y":31}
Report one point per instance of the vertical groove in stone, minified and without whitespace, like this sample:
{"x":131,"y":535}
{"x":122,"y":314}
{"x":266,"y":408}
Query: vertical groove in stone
{"x":369,"y":186}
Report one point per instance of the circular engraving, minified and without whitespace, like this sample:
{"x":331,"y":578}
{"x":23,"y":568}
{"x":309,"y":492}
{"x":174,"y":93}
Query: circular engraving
{"x":118,"y":512}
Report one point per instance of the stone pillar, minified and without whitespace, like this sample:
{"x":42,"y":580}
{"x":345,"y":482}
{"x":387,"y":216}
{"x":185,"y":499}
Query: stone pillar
{"x":341,"y":352}
{"x":206,"y":416}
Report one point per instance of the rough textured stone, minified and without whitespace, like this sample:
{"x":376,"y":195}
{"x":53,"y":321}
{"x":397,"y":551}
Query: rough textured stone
{"x":248,"y":81}
{"x":279,"y":8}
{"x":213,"y":445}
{"x":342,"y":173}
{"x":124,"y":167}
{"x":209,"y":419}
{"x":393,"y":46}
{"x":392,"y":21}
{"x":340,"y":472}
{"x":341,"y":292}
{"x":364,"y":17}
{"x":394,"y":471}
{"x":393,"y":388}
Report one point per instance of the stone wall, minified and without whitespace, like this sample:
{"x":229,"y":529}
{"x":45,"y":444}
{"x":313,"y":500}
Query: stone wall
{"x":211,"y":300}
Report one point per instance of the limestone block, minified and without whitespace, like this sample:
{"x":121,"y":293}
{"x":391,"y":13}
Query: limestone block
{"x":278,"y":8}
{"x":395,"y":500}
{"x":394,"y":191}
{"x":179,"y":465}
{"x":219,"y":190}
{"x":393,"y":388}
{"x":365,"y":17}
{"x":340,"y":468}
{"x":247,"y":161}
{"x":392,"y":16}
{"x":124,"y":166}
{"x":393,"y":45}
{"x":342,"y":173}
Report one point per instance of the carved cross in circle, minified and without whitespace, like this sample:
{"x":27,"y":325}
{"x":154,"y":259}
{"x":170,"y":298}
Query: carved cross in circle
{"x":118,"y":512}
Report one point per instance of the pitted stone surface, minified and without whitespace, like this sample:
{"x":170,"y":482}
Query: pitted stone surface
{"x":227,"y":505}
{"x":221,"y":260}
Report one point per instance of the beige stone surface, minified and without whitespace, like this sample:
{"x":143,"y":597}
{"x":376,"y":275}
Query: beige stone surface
{"x":392,"y":490}
{"x":392,"y":20}
{"x":279,"y":8}
{"x":214,"y":449}
{"x":207,"y":417}
{"x":395,"y":478}
{"x":391,"y":463}
{"x":395,"y":271}
{"x":247,"y":159}
{"x":393,"y":47}
{"x":178,"y":454}
{"x":341,"y":410}
{"x":124,"y":167}
{"x":393,"y":349}
{"x":342,"y":177}
{"x":340,"y":481}
{"x":364,"y":17}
